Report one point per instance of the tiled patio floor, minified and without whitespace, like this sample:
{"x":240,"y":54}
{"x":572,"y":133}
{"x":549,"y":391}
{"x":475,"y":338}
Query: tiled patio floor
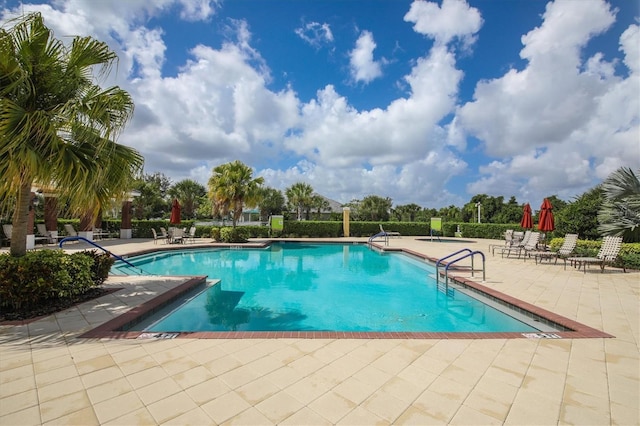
{"x":50,"y":376}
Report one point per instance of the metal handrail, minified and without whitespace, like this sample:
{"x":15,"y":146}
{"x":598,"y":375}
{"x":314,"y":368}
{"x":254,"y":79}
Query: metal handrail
{"x":470,"y":253}
{"x":380,"y":234}
{"x":76,"y":238}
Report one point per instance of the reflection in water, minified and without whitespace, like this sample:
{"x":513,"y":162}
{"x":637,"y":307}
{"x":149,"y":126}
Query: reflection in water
{"x":224,"y":314}
{"x":221,"y":307}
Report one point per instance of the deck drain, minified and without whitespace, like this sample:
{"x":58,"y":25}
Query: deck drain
{"x":541,"y":336}
{"x":158,"y":336}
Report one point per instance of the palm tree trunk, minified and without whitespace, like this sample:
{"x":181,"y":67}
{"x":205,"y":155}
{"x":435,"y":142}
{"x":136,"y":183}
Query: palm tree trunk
{"x":20,"y":221}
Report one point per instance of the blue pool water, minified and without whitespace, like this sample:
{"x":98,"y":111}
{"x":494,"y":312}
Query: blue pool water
{"x":321,"y":287}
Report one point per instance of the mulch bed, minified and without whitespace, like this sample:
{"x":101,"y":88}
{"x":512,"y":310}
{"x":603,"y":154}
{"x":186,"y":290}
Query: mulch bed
{"x":25,"y":316}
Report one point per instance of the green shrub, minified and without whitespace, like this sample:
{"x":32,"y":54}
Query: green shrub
{"x":39,"y":276}
{"x":215,"y":234}
{"x":230,"y":234}
{"x":102,"y":263}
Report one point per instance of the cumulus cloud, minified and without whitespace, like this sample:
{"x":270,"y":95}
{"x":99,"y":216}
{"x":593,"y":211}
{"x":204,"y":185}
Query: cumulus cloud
{"x":454,"y":19}
{"x":315,"y":33}
{"x":363,"y":67}
{"x":563,"y":118}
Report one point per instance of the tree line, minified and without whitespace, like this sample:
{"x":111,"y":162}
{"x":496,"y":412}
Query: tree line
{"x":611,"y":207}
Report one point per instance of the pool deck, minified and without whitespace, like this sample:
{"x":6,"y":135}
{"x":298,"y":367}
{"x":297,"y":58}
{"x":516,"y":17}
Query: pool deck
{"x":49,"y":375}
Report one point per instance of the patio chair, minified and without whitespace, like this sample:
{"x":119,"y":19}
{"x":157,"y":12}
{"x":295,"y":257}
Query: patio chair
{"x":70,"y":230}
{"x":390,"y":233}
{"x":608,"y":254}
{"x":192,"y":234}
{"x":156,"y":238}
{"x":567,"y":248}
{"x":508,"y":241}
{"x":7,"y":229}
{"x":176,"y":235}
{"x":530,"y":246}
{"x":516,"y":245}
{"x":165,"y":235}
{"x":42,"y":234}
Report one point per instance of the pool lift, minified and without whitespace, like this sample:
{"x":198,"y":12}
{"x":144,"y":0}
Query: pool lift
{"x":140,"y":271}
{"x":444,"y":286}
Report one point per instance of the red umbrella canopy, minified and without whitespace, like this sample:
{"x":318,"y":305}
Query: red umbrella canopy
{"x":526,"y":222}
{"x":175,"y":213}
{"x":545,"y":222}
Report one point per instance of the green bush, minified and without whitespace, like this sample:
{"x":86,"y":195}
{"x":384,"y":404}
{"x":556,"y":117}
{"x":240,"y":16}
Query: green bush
{"x":102,"y":263}
{"x":40,"y":276}
{"x":230,"y":234}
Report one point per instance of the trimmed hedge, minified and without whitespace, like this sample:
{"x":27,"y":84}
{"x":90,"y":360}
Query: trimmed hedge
{"x":39,"y":276}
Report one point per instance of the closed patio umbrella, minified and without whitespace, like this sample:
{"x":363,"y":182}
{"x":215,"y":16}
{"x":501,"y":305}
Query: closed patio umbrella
{"x":545,"y":222}
{"x":175,"y":213}
{"x":526,"y":222}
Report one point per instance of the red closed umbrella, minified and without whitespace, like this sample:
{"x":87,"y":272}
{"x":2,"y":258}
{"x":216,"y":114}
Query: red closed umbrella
{"x":545,"y":222}
{"x":526,"y":222}
{"x":175,"y":213}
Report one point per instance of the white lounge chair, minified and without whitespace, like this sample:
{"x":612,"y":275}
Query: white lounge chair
{"x":7,"y":229}
{"x":608,"y":254}
{"x":390,"y":233}
{"x":567,"y":248}
{"x":70,"y":230}
{"x":42,"y":234}
{"x":192,"y":234}
{"x":516,"y":245}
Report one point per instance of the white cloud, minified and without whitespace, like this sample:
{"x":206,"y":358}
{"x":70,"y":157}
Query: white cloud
{"x":337,"y":135}
{"x":315,"y":33}
{"x":563,"y":122}
{"x":363,"y":67}
{"x":454,"y":19}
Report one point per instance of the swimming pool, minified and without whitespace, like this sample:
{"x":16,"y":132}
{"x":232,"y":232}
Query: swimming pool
{"x":323,"y":287}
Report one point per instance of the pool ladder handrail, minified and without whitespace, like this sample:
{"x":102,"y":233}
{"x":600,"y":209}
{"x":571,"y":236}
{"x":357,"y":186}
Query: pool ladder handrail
{"x":76,"y":238}
{"x":380,"y":234}
{"x":469,"y":253}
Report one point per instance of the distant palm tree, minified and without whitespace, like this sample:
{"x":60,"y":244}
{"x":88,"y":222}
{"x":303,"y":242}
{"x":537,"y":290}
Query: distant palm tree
{"x":57,"y":127}
{"x":619,"y":214}
{"x":231,"y":187}
{"x":188,"y":192}
{"x":300,"y":196}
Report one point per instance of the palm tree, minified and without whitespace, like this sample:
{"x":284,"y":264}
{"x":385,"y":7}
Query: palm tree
{"x":299,"y":196}
{"x":231,"y":187}
{"x":619,"y":214}
{"x":188,"y":192}
{"x":56,"y":125}
{"x":320,"y":203}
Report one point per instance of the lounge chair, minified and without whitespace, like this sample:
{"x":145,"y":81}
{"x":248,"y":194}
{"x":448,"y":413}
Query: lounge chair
{"x":390,"y":233}
{"x":99,"y":233}
{"x":516,"y":245}
{"x":567,"y":248}
{"x":70,"y":230}
{"x":43,"y":235}
{"x":7,"y":229}
{"x":530,"y":246}
{"x":508,"y":241}
{"x":608,"y":253}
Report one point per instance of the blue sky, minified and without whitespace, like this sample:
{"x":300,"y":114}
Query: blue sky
{"x":424,"y":102}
